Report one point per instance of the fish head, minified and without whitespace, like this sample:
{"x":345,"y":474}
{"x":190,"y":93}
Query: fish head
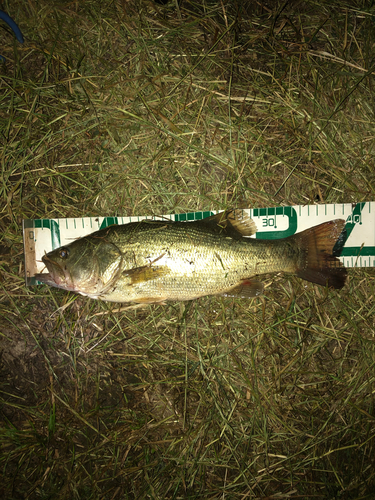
{"x":89,"y":266}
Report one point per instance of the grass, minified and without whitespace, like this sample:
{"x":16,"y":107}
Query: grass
{"x":133,"y":108}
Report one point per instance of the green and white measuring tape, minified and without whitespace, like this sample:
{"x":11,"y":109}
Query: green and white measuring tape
{"x":43,"y":235}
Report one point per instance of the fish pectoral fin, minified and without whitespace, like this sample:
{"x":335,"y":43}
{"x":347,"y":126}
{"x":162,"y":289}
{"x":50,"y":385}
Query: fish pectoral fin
{"x":145,"y":273}
{"x":246,"y":289}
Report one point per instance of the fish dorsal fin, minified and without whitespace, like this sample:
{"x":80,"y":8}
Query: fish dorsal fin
{"x":234,"y":222}
{"x":241,"y":222}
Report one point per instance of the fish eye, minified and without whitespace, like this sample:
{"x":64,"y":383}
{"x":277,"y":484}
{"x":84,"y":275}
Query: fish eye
{"x":64,"y":252}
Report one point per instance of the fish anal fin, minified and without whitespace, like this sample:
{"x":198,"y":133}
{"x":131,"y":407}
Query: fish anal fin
{"x":145,"y":273}
{"x":247,"y":289}
{"x":319,"y":265}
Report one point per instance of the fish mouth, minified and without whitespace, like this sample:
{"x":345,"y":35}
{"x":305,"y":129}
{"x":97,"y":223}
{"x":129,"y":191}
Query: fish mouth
{"x":57,"y":276}
{"x":47,"y":279}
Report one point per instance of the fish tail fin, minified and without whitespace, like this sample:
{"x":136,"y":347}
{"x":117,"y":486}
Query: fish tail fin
{"x":320,"y":246}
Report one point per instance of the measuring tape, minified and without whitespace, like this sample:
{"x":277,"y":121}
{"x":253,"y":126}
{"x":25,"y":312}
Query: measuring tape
{"x":40,"y":236}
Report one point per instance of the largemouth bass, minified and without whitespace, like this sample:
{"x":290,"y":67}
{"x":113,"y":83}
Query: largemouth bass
{"x":159,"y":261}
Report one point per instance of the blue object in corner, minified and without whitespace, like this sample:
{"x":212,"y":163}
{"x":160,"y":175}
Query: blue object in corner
{"x":4,"y":16}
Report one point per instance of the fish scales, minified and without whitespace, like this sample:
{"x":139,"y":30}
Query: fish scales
{"x":194,"y":260}
{"x":157,"y":261}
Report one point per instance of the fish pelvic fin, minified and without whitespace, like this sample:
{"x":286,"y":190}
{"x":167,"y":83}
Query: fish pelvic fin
{"x":318,"y":262}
